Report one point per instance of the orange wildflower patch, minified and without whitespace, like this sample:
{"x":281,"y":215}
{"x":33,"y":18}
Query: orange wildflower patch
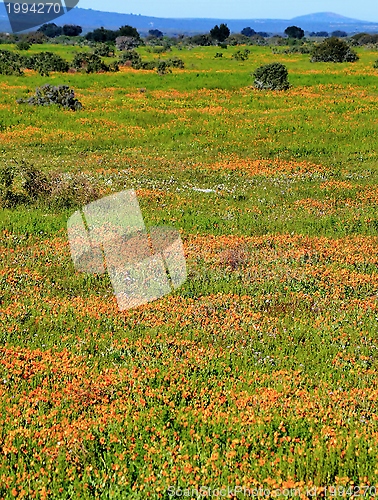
{"x":268,"y":168}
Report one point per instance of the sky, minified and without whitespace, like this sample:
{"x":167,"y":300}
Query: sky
{"x":366,"y":10}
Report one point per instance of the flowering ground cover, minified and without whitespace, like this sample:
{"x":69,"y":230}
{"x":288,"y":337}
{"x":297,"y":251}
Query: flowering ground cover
{"x":261,"y":370}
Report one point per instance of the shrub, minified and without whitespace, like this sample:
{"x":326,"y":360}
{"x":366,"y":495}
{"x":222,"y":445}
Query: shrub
{"x":375,"y":65}
{"x":175,"y":62}
{"x":201,"y":40}
{"x":218,"y":54}
{"x":364,"y":39}
{"x":127,"y":43}
{"x":149,"y":65}
{"x":333,"y":50}
{"x":35,"y":37}
{"x":237,"y":39}
{"x":104,"y":50}
{"x":130,"y":57}
{"x":241,"y":55}
{"x":272,"y":76}
{"x":25,"y":183}
{"x":163,"y":68}
{"x":23,"y":45}
{"x":92,"y":63}
{"x":11,"y":63}
{"x":48,"y":95}
{"x":44,"y":62}
{"x":67,"y":191}
{"x":303,"y":49}
{"x":21,"y":183}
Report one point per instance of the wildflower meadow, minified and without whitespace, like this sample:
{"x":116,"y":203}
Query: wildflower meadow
{"x":260,"y":371}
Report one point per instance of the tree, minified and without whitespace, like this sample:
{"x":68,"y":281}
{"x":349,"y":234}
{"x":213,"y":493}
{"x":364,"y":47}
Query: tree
{"x":156,"y":33}
{"x":271,"y":77}
{"x":51,"y":30}
{"x":339,"y":33}
{"x":72,"y":30}
{"x":333,"y":50}
{"x":294,"y":32}
{"x":248,"y":32}
{"x":128,"y":31}
{"x":323,"y":34}
{"x":220,"y":33}
{"x":102,"y":35}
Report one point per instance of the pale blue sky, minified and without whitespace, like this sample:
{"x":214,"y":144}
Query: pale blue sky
{"x":366,"y":10}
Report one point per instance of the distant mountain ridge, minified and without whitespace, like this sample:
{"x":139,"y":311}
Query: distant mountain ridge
{"x":90,"y":19}
{"x":325,"y":17}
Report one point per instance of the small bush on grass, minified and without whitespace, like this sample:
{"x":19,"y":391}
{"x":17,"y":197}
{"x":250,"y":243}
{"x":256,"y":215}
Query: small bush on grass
{"x":333,"y":50}
{"x":44,"y":62}
{"x":241,"y":55}
{"x":175,"y":62}
{"x":272,"y":76}
{"x":48,"y":95}
{"x":11,"y":63}
{"x":104,"y":50}
{"x":163,"y":68}
{"x":22,"y":183}
{"x":23,"y":45}
{"x":92,"y":63}
{"x":67,"y":191}
{"x":375,"y":65}
{"x":130,"y":58}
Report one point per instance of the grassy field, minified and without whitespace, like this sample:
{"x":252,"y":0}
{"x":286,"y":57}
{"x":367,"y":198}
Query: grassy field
{"x":261,"y":370}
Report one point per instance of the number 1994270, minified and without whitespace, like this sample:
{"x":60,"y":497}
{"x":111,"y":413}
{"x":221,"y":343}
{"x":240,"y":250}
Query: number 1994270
{"x":33,"y":8}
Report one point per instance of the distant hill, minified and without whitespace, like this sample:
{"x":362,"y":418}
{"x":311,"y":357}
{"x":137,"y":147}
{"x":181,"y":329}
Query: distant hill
{"x":90,"y":19}
{"x":323,"y":17}
{"x":329,"y":21}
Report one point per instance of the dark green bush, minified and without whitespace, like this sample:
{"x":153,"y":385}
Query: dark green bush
{"x":44,"y":62}
{"x":272,"y":76}
{"x":48,"y":95}
{"x":130,"y":57}
{"x":92,"y":63}
{"x":11,"y":63}
{"x":333,"y":50}
{"x":175,"y":62}
{"x":149,"y":65}
{"x":241,"y":55}
{"x":104,"y":50}
{"x":23,"y":45}
{"x":375,"y":65}
{"x":163,"y":68}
